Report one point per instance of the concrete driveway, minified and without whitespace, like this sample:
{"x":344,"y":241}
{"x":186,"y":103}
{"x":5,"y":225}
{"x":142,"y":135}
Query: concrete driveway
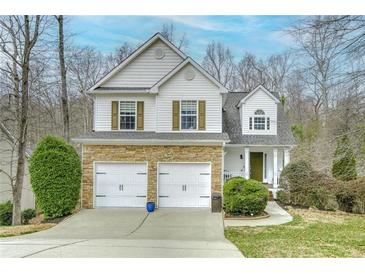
{"x":127,"y":233}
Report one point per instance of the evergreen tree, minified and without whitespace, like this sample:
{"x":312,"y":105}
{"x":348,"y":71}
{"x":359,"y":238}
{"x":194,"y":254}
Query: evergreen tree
{"x":344,"y":162}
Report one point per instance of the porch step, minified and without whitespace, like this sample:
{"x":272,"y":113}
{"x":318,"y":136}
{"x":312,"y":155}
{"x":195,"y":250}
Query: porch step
{"x":271,"y":196}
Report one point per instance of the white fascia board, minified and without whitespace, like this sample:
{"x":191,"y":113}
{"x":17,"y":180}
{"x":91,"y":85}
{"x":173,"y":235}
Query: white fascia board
{"x":126,"y":91}
{"x":260,"y":87}
{"x":146,"y":142}
{"x":258,"y":145}
{"x":131,"y":57}
{"x":188,"y":60}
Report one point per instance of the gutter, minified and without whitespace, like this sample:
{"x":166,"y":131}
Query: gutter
{"x":147,"y":142}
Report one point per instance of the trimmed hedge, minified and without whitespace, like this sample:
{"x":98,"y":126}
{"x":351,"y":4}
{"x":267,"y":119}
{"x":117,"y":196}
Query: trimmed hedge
{"x":55,"y":172}
{"x":244,"y":197}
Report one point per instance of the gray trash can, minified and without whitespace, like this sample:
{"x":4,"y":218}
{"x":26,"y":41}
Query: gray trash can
{"x":216,"y":202}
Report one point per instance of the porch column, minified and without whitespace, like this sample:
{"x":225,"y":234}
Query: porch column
{"x":247,"y":163}
{"x":286,"y":156}
{"x":275,"y":167}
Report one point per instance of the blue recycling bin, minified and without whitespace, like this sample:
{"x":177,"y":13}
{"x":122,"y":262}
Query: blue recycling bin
{"x":150,"y":206}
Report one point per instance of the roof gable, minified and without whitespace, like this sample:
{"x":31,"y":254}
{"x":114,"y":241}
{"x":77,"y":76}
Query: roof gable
{"x":179,"y":67}
{"x":157,"y":38}
{"x":258,"y":88}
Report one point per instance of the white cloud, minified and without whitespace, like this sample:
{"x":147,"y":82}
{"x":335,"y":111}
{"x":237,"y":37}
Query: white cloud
{"x":209,"y":23}
{"x":281,"y":37}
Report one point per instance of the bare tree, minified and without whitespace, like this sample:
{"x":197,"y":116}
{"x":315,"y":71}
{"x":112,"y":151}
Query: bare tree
{"x":120,"y":54}
{"x":64,"y":94}
{"x":321,"y":54}
{"x":218,"y":61}
{"x":86,"y":67}
{"x":18,"y":37}
{"x":168,"y":30}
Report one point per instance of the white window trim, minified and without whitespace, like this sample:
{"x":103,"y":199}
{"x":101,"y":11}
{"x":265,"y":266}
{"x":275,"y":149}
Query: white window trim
{"x":265,"y":168}
{"x":264,"y":116}
{"x":197,"y":115}
{"x":254,"y":123}
{"x":135,"y":115}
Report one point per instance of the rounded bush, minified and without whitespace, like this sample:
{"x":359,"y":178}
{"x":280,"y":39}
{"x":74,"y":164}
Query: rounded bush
{"x":301,"y":185}
{"x":244,"y":197}
{"x":55,"y":173}
{"x":6,"y":213}
{"x":351,"y":196}
{"x":27,"y":215}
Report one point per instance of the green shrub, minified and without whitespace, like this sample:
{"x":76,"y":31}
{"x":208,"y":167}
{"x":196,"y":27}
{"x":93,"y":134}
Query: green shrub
{"x":6,"y":213}
{"x":303,"y":186}
{"x":351,"y":196}
{"x":244,"y":197}
{"x":28,"y":214}
{"x":282,"y":197}
{"x":55,"y":171}
{"x":344,"y":162}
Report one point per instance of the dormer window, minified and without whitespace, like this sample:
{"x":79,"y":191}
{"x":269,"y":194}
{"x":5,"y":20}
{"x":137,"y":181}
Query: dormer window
{"x":259,"y":112}
{"x":259,"y":121}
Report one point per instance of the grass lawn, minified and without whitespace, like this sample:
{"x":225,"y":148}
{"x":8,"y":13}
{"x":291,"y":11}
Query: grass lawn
{"x":312,"y":233}
{"x":8,"y":231}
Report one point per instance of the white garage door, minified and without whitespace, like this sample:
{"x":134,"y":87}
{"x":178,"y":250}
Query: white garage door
{"x":184,"y":185}
{"x":120,"y":185}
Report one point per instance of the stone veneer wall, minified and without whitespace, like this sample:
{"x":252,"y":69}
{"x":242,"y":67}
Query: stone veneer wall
{"x":151,"y":154}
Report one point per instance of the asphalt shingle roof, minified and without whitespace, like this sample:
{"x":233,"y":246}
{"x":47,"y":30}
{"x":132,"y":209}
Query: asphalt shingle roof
{"x":232,"y":124}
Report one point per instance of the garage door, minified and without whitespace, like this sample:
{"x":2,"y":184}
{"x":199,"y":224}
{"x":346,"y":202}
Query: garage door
{"x":120,"y":185}
{"x":184,"y":185}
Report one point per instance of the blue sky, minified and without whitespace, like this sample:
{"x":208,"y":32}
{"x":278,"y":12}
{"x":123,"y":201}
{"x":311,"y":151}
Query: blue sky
{"x":261,"y":35}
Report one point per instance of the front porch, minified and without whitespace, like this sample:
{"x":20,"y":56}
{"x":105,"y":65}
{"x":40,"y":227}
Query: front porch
{"x":262,"y":163}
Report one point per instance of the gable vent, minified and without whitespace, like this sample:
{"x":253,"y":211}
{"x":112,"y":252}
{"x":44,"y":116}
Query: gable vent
{"x":159,"y":53}
{"x":189,"y":74}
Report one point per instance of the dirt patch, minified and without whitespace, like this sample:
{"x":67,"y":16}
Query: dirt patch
{"x":40,"y":219}
{"x":312,"y":215}
{"x":7,"y":231}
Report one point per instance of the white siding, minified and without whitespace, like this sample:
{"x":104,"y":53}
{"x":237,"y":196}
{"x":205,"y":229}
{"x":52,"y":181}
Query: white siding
{"x":145,"y":70}
{"x":200,"y":88}
{"x":102,"y":110}
{"x":233,"y":163}
{"x":259,"y":100}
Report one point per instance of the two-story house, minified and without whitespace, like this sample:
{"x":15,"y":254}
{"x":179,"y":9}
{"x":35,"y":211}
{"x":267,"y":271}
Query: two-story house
{"x":166,"y":131}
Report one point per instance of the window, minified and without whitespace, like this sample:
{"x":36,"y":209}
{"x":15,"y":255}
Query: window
{"x":259,"y":123}
{"x":127,"y":115}
{"x":259,"y":112}
{"x":189,"y":115}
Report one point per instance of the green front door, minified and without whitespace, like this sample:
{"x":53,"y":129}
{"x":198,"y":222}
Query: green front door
{"x":256,"y":164}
